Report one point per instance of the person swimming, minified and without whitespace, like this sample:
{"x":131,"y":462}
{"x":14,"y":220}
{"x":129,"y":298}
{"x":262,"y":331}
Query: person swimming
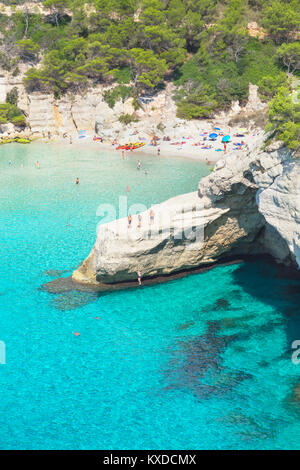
{"x":76,"y":333}
{"x":77,"y":180}
{"x":139,"y":165}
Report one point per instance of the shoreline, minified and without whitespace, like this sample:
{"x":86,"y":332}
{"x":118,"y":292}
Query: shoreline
{"x":195,"y":146}
{"x":166,"y":150}
{"x":208,"y":156}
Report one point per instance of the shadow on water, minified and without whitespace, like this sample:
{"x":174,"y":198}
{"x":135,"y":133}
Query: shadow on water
{"x":269,"y":284}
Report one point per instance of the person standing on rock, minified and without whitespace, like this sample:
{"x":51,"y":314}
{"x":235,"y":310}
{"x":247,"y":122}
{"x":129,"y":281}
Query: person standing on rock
{"x":129,"y":220}
{"x":139,"y":277}
{"x":140,"y":221}
{"x":152,"y":216}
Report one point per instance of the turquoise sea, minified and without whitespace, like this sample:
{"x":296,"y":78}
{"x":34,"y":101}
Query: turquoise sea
{"x":202,"y":362}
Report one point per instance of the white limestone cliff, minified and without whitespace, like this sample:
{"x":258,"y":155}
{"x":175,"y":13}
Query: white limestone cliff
{"x":248,"y":205}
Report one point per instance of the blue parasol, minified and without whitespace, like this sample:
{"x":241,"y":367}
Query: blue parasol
{"x":213,"y":135}
{"x":226,"y":138}
{"x":217,"y":129}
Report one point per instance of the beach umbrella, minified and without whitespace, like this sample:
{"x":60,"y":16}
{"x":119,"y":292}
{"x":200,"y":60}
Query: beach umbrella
{"x":213,"y":135}
{"x":226,"y":138}
{"x":217,"y":129}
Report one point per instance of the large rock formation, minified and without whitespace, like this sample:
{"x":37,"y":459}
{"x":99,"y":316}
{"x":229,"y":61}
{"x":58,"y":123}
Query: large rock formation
{"x":249,"y":204}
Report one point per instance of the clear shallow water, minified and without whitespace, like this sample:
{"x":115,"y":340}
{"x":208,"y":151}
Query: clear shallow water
{"x":200,"y":362}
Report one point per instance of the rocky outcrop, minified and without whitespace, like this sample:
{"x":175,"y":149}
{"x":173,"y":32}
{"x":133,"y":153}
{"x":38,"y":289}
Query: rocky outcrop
{"x":248,"y":205}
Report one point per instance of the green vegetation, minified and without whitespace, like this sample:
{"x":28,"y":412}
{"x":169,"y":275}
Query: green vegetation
{"x":203,"y":46}
{"x":11,"y":113}
{"x":127,"y":119}
{"x":284,"y":117}
{"x":18,"y":140}
{"x":121,"y":92}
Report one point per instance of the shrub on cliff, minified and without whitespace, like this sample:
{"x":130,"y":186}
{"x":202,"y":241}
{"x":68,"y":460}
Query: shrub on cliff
{"x":28,"y":50}
{"x":284,"y":116}
{"x":12,"y":96}
{"x":121,"y":92}
{"x":11,"y":113}
{"x":127,"y":119}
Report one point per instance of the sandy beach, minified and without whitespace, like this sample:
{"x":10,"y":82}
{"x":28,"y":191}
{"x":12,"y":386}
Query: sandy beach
{"x":206,"y":150}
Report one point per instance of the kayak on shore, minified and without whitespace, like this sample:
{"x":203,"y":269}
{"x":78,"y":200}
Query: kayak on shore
{"x":131,"y":146}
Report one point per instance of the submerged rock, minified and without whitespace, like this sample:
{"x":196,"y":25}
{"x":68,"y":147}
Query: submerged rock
{"x":221,"y":304}
{"x":196,"y":365}
{"x":185,"y":326}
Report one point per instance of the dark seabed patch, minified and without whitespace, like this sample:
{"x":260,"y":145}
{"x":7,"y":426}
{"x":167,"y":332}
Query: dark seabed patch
{"x":196,"y":365}
{"x":186,"y":325}
{"x":234,"y":322}
{"x":73,"y":300}
{"x":221,"y":304}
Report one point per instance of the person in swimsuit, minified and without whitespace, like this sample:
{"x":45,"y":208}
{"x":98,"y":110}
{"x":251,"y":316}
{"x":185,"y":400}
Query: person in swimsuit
{"x":140,"y":221}
{"x":77,"y":180}
{"x":129,"y":220}
{"x":139,"y":277}
{"x":139,"y":165}
{"x":152,"y":217}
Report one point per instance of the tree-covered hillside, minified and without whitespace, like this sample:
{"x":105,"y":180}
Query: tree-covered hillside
{"x":208,"y":48}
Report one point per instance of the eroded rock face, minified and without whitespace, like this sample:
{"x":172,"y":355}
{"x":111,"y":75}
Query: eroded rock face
{"x":249,"y":204}
{"x":279,"y":203}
